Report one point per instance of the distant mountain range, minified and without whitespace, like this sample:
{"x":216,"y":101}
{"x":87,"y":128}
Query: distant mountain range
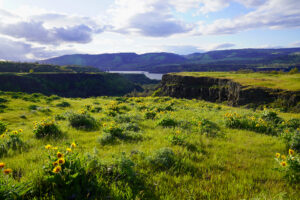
{"x":223,"y":60}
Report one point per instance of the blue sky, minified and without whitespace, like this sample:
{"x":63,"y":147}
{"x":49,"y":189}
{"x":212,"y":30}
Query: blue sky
{"x":32,"y":30}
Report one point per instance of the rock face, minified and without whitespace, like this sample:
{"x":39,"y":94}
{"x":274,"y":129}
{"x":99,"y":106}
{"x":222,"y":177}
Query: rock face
{"x":220,"y":90}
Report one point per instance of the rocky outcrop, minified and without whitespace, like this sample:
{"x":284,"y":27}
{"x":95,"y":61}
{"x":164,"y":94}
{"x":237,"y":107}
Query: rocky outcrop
{"x":221,"y":90}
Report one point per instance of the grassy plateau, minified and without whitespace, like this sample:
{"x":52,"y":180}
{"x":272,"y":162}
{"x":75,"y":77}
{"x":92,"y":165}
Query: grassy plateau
{"x":283,"y":81}
{"x":147,"y":148}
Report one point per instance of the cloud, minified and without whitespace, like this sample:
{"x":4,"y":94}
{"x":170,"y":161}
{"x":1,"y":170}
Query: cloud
{"x":221,"y":46}
{"x":148,"y":18}
{"x":36,"y":32}
{"x":181,"y":49}
{"x":296,"y":44}
{"x":273,"y":14}
{"x":155,"y":24}
{"x":22,"y":51}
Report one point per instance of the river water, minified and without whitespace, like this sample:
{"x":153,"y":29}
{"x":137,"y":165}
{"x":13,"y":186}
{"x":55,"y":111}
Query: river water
{"x":149,"y":75}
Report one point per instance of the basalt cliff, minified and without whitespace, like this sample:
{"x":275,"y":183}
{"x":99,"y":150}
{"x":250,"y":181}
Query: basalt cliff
{"x":226,"y":90}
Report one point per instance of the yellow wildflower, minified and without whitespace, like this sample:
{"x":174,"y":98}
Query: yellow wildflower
{"x":54,"y":148}
{"x":2,"y":165}
{"x":283,"y":163}
{"x":73,"y":145}
{"x":59,"y":155}
{"x":57,"y":169}
{"x":7,"y":171}
{"x":61,"y":161}
{"x":291,"y":152}
{"x":69,"y":150}
{"x":20,"y":130}
{"x":277,"y":155}
{"x":55,"y":163}
{"x":283,"y":157}
{"x":48,"y":146}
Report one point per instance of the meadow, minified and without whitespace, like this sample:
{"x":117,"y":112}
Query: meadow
{"x":144,"y":148}
{"x":284,"y":81}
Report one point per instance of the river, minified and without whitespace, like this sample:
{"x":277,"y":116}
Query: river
{"x":149,"y":75}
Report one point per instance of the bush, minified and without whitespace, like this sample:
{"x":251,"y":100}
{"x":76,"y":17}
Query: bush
{"x":289,"y":165}
{"x":114,"y":132}
{"x":177,"y":140}
{"x":46,"y":128}
{"x":163,"y":159}
{"x":33,"y":107}
{"x":131,"y":127}
{"x":60,"y":117}
{"x":68,"y":176}
{"x":295,"y":141}
{"x":208,"y":128}
{"x":150,"y":115}
{"x":271,"y":116}
{"x":11,"y":141}
{"x":2,"y":100}
{"x":63,"y":104}
{"x":2,"y":127}
{"x":106,"y":138}
{"x":168,"y":122}
{"x":83,"y":121}
{"x":252,"y":123}
{"x":9,"y":188}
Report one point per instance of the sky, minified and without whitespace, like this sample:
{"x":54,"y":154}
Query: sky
{"x":41,"y":29}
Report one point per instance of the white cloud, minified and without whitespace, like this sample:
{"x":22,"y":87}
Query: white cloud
{"x":149,"y":18}
{"x":22,"y":51}
{"x":274,"y":14}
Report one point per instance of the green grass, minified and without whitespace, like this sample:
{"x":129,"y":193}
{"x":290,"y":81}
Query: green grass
{"x":239,"y":165}
{"x":277,"y":81}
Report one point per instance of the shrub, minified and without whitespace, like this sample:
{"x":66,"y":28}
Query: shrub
{"x":271,"y":116}
{"x":252,"y":123}
{"x":106,"y":138}
{"x":113,"y":132}
{"x":123,"y":119}
{"x":150,"y":115}
{"x":83,"y":121}
{"x":63,"y":104}
{"x":60,"y":117}
{"x":131,"y":127}
{"x":295,"y":141}
{"x":2,"y":100}
{"x":293,"y":123}
{"x":11,"y":141}
{"x":46,"y":128}
{"x":96,"y":109}
{"x":68,"y":176}
{"x":2,"y":127}
{"x":163,"y":159}
{"x":33,"y":107}
{"x":114,"y":129}
{"x":289,"y":165}
{"x":177,"y":140}
{"x":168,"y":122}
{"x":208,"y":128}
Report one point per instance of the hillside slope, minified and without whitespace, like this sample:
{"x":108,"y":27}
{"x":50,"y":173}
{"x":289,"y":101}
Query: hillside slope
{"x":68,"y":84}
{"x":222,"y":60}
{"x":118,"y":61}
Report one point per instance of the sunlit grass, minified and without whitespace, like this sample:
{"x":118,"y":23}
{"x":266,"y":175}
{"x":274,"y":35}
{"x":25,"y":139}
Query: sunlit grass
{"x":281,"y":81}
{"x":237,"y":166}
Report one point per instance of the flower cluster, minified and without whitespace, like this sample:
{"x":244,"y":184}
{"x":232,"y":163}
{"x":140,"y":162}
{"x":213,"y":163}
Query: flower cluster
{"x":59,"y":158}
{"x":5,"y":171}
{"x":290,"y":165}
{"x":11,"y":140}
{"x":45,"y":128}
